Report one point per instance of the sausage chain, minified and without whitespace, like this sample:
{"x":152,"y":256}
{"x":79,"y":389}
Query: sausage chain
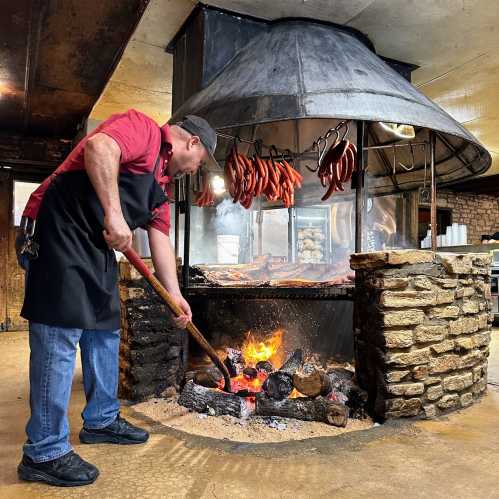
{"x":248,"y":178}
{"x":337,"y":167}
{"x":205,"y":197}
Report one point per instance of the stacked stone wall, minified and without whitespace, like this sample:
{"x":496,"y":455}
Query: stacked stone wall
{"x":153,"y":351}
{"x":422,"y":330}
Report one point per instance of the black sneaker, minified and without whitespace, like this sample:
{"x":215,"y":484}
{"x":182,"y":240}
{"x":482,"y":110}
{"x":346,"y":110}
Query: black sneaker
{"x":69,"y":470}
{"x":120,"y":431}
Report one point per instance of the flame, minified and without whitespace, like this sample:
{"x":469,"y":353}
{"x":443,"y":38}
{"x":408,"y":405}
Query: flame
{"x":258,"y":351}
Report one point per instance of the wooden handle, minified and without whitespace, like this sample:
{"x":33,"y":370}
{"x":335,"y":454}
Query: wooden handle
{"x":142,"y":268}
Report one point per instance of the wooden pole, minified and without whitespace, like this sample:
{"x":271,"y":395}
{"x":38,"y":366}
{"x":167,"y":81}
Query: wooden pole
{"x":433,"y":205}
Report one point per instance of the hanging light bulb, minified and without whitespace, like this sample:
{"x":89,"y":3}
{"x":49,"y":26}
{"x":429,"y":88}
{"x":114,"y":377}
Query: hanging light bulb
{"x":218,"y":185}
{"x":399,"y":130}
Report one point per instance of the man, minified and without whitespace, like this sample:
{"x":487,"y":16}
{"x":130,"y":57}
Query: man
{"x":112,"y":182}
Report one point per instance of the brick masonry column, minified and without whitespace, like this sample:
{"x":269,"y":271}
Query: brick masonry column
{"x":153,"y":352}
{"x":422,"y":326}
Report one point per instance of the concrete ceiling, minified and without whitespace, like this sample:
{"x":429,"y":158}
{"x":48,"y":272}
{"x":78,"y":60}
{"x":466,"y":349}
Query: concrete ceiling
{"x":455,"y":43}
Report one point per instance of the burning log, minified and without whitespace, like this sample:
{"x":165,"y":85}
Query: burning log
{"x":250,"y":372}
{"x":293,"y":363}
{"x":312,"y":383}
{"x":307,"y":409}
{"x":210,"y":377}
{"x":234,"y":362}
{"x":264,"y":366}
{"x":201,"y":399}
{"x":279,"y":384}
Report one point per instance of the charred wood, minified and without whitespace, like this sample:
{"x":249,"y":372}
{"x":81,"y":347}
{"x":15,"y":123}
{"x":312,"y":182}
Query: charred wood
{"x":264,"y":366}
{"x":250,"y":372}
{"x":210,"y":377}
{"x":307,"y":409}
{"x":278,"y":385}
{"x":201,"y":399}
{"x":234,"y":362}
{"x":294,"y":362}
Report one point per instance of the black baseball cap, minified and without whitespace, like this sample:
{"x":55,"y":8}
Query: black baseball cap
{"x":198,"y":126}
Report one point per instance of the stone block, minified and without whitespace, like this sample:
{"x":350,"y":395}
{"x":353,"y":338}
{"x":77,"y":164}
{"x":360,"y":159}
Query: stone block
{"x":398,"y":339}
{"x":444,"y":363}
{"x":481,"y":260}
{"x":470,"y":307}
{"x":481,"y":339}
{"x":372,"y":260}
{"x":448,"y":312}
{"x":396,"y":376}
{"x":479,"y":372}
{"x":444,"y":297}
{"x":399,"y":299}
{"x":392,"y":283}
{"x":434,"y":392}
{"x":483,"y":320}
{"x":447,"y":283}
{"x":443,"y":346}
{"x":471,"y":359}
{"x":430,"y":411}
{"x":421,"y":356}
{"x":422,"y":282}
{"x":411,"y":257}
{"x":467,"y":292}
{"x":463,"y":325}
{"x":466,"y":399}
{"x":448,"y":401}
{"x":420,"y":372}
{"x":428,"y":333}
{"x":406,"y":407}
{"x":432,"y":380}
{"x":463,"y":343}
{"x":405,"y":389}
{"x":403,"y":317}
{"x":458,"y":382}
{"x":455,"y":263}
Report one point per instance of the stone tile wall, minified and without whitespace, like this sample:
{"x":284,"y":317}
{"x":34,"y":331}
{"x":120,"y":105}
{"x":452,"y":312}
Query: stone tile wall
{"x":153,"y":352}
{"x":422,"y":330}
{"x":478,"y":211}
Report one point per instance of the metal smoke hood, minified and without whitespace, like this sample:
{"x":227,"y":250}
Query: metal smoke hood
{"x":295,"y":78}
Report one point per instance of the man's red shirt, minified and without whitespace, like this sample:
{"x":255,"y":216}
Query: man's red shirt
{"x":140,"y":140}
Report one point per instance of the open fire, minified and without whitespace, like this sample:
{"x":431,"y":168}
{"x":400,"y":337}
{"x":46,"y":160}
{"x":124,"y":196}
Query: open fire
{"x":266,"y":382}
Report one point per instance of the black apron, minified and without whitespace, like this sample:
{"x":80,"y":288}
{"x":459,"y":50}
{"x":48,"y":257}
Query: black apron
{"x":73,"y":282}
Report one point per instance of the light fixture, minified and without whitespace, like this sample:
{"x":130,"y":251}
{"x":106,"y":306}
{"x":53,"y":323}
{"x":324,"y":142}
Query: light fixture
{"x":217,"y":184}
{"x":399,"y":130}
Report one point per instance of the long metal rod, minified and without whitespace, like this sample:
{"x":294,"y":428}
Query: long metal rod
{"x":433,"y":205}
{"x":359,"y":191}
{"x":177,"y":218}
{"x":391,"y":146}
{"x":187,"y":232}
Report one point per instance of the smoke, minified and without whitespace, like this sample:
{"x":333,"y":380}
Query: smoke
{"x":229,"y":219}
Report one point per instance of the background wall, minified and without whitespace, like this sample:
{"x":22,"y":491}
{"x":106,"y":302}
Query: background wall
{"x":479,"y":212}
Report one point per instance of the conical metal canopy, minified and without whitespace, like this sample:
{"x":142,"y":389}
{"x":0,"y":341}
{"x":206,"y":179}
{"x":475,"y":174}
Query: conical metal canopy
{"x":300,"y":70}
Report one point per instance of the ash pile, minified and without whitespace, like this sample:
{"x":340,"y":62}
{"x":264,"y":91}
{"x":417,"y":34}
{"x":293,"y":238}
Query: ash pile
{"x":299,"y":389}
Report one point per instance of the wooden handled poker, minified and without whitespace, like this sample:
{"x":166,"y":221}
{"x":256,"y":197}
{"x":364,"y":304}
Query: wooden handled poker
{"x":142,"y":268}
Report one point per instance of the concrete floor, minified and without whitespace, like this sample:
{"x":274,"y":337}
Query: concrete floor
{"x":454,"y":457}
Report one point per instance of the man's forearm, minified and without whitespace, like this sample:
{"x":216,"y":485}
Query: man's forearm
{"x":102,"y":160}
{"x":163,"y":258}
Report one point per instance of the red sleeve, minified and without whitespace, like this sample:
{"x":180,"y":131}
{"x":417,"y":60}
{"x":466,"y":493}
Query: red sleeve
{"x":161,"y":220}
{"x":134,"y":132}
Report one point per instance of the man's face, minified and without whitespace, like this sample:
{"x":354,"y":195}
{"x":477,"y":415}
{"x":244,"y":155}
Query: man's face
{"x":188,"y":157}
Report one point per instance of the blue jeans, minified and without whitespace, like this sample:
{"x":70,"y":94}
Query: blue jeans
{"x":52,"y":361}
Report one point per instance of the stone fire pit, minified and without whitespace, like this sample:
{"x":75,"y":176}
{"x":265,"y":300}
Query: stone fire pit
{"x":422,"y":330}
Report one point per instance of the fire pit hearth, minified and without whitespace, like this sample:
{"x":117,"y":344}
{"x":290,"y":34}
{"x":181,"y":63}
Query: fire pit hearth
{"x":422,"y":330}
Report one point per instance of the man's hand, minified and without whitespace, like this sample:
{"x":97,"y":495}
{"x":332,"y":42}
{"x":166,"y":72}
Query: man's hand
{"x":182,"y":320}
{"x":116,"y":232}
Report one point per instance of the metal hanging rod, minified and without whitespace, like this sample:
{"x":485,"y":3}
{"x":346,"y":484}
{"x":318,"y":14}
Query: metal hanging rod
{"x":391,"y":146}
{"x":323,"y":139}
